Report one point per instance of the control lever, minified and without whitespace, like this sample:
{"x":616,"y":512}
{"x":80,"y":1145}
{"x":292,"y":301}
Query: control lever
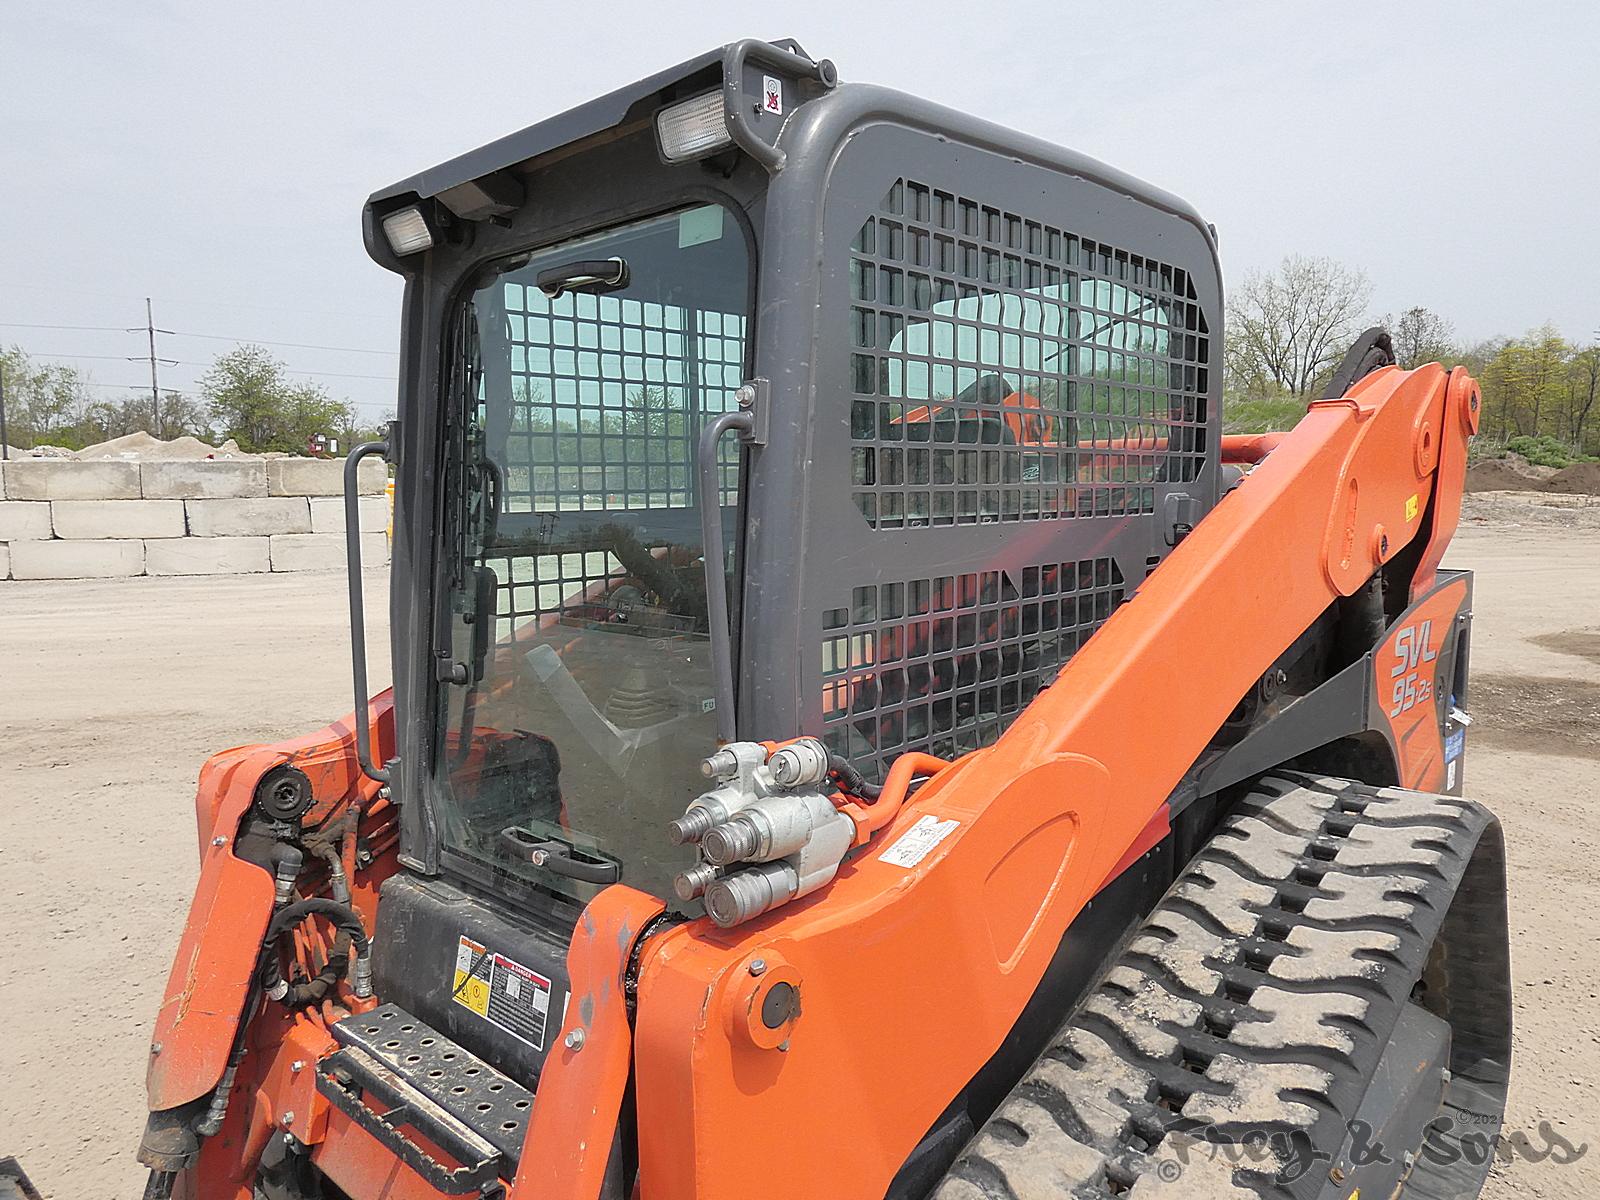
{"x":557,"y":857}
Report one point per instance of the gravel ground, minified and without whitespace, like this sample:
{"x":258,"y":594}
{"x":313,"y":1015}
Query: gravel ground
{"x":115,"y":691}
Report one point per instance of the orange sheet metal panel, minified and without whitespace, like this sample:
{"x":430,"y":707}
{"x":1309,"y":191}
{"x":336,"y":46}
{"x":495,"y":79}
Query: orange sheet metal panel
{"x":579,"y":1098}
{"x":911,"y":969}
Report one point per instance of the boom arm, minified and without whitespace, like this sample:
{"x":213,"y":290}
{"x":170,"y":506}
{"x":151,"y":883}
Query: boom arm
{"x":1041,"y":818}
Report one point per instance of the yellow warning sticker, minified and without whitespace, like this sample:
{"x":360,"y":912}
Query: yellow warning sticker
{"x":471,"y":985}
{"x":1411,"y":507}
{"x":501,"y":991}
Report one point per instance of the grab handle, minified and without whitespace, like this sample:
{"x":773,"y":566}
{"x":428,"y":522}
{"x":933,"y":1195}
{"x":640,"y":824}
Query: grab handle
{"x":358,"y":619}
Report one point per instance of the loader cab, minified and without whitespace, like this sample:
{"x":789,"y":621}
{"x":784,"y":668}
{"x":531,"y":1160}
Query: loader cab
{"x":982,"y":405}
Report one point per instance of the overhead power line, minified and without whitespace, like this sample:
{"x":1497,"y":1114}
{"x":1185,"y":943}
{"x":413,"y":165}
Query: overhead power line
{"x":216,"y":337}
{"x":186,"y":362}
{"x":209,"y":337}
{"x":93,"y":328}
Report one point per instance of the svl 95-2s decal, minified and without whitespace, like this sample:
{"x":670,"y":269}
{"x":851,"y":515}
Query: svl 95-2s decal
{"x":1412,"y":684}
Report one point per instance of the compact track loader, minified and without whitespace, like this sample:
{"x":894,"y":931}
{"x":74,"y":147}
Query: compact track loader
{"x":859,"y":729}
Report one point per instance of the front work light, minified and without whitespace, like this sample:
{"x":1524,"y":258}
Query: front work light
{"x":407,"y":231}
{"x":693,"y":128}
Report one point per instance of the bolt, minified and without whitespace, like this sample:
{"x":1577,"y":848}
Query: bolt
{"x":288,"y":1119}
{"x":758,"y":966}
{"x":155,"y":1048}
{"x":745,"y":395}
{"x":219,"y":841}
{"x":297,"y":1066}
{"x":1337,"y":1174}
{"x":574,"y":1040}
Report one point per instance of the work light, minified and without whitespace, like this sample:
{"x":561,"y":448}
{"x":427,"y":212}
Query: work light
{"x":693,"y":128}
{"x":407,"y":231}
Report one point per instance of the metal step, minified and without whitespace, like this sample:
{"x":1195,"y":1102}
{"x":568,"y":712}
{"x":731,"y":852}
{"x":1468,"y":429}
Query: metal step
{"x":492,"y":1105}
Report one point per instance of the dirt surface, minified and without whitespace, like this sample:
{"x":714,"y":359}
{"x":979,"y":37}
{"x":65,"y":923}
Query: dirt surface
{"x":115,"y":691}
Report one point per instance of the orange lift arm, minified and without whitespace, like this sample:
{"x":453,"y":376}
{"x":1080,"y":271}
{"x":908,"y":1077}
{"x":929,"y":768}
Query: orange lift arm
{"x":1027,"y":829}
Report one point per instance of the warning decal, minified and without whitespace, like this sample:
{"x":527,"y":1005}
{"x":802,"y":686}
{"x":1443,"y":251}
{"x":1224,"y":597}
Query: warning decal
{"x":916,"y":843}
{"x":501,"y":991}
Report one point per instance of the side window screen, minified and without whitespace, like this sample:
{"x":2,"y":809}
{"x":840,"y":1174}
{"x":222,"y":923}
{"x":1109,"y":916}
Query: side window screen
{"x":1008,"y":370}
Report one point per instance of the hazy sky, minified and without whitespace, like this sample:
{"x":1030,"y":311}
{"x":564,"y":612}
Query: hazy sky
{"x":215,"y":156}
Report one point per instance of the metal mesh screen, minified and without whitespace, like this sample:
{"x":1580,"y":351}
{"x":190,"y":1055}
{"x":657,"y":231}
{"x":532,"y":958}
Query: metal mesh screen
{"x":1008,"y":370}
{"x":608,"y":395}
{"x":943,"y":664}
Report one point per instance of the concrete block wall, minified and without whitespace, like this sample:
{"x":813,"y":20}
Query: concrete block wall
{"x":65,"y":519}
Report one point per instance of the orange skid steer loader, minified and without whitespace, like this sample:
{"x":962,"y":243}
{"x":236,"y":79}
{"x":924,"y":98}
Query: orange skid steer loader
{"x":859,"y":729}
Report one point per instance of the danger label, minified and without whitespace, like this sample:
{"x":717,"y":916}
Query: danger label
{"x":916,"y":843}
{"x":501,"y":991}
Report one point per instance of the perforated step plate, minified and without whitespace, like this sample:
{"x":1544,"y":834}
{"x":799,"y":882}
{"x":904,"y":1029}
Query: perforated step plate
{"x":492,"y":1105}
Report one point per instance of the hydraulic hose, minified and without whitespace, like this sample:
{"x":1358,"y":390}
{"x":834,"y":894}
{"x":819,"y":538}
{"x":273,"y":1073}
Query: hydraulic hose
{"x":351,"y":932}
{"x":873,"y":817}
{"x":852,"y":780}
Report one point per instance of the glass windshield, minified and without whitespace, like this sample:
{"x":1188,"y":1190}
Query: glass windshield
{"x":573,"y":634}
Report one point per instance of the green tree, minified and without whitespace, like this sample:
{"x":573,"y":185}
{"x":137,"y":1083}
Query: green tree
{"x":1525,"y":383}
{"x":252,"y":400}
{"x":44,"y":401}
{"x":1421,"y":336}
{"x":1583,"y":391}
{"x":179,"y":416}
{"x":1287,"y":329}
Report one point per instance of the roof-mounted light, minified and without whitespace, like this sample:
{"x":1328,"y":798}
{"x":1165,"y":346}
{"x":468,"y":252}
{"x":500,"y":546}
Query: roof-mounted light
{"x":407,"y":231}
{"x":693,"y":128}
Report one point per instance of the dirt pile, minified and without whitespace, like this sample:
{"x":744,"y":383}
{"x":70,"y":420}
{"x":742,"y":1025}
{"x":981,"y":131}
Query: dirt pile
{"x":1501,"y":475}
{"x":1578,"y":479}
{"x":140,"y":445}
{"x":1513,"y":473}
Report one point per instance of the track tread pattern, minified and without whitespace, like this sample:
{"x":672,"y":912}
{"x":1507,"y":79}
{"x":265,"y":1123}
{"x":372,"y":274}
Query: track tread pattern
{"x":1249,"y":1008}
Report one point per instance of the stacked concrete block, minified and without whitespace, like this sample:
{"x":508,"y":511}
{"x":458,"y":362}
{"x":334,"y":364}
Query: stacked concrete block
{"x":117,"y":519}
{"x":70,"y":519}
{"x":68,"y":479}
{"x":204,"y":480}
{"x":257,"y":516}
{"x":63,"y":559}
{"x":207,"y":555}
{"x":24,"y":520}
{"x":321,"y":476}
{"x":324,"y":551}
{"x":327,"y":514}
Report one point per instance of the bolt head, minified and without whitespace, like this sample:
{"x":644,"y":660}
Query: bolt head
{"x":1337,"y":1174}
{"x":745,"y":395}
{"x":297,"y":1066}
{"x":288,"y":1119}
{"x":758,"y":966}
{"x":574,"y":1041}
{"x":219,"y":841}
{"x":155,"y":1048}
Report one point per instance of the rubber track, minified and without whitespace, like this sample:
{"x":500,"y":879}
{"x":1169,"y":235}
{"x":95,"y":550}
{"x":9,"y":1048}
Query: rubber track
{"x":1249,"y":1009}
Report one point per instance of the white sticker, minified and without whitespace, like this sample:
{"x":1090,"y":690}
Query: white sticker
{"x":1449,"y":774}
{"x":916,"y":843}
{"x":772,"y":95}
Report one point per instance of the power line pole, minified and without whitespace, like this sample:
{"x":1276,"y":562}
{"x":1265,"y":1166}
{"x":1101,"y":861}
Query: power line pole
{"x":5,"y":444}
{"x":155,"y":387}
